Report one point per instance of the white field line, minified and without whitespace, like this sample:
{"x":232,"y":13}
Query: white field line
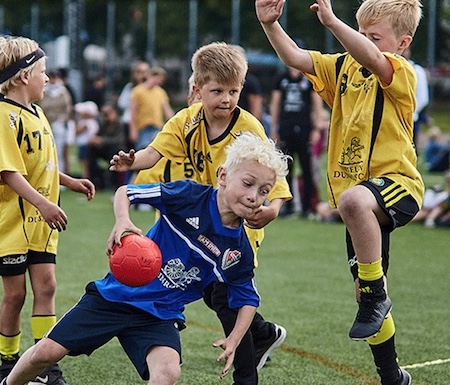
{"x":427,"y":363}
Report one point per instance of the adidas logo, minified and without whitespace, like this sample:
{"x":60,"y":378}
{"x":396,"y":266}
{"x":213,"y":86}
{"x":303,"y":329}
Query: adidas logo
{"x":194,"y":222}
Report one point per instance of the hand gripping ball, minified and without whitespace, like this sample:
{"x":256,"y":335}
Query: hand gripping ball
{"x":137,"y":262}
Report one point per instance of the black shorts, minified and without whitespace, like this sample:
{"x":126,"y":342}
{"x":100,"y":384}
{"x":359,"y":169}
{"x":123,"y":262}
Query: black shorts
{"x":398,"y":205}
{"x":93,"y":321}
{"x":17,"y":264}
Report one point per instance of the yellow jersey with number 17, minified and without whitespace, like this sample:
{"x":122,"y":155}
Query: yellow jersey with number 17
{"x":27,"y":147}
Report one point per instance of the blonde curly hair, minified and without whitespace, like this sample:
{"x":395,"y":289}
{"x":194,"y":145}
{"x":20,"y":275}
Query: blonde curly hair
{"x":248,"y":146}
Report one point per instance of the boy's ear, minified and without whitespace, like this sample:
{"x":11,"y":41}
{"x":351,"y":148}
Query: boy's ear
{"x":221,"y":176}
{"x":24,"y":76}
{"x":196,"y":91}
{"x":405,"y":42}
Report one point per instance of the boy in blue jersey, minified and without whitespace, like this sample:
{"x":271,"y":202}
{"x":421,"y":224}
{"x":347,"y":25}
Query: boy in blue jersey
{"x":192,"y":146}
{"x":202,"y":239}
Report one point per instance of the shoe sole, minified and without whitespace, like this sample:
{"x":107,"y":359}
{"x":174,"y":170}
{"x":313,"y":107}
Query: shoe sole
{"x":277,"y":343}
{"x":373,"y":335}
{"x":409,"y":378}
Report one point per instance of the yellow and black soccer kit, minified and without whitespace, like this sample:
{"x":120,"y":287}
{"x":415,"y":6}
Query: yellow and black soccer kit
{"x":27,"y":147}
{"x":370,"y":139}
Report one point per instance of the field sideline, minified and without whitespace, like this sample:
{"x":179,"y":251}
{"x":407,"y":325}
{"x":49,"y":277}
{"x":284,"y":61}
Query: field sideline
{"x":305,"y":286}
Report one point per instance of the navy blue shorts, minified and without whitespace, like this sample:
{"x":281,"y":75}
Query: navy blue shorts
{"x":399,"y":206}
{"x":93,"y":321}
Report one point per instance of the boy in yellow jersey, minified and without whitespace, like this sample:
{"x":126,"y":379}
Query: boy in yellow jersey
{"x":166,"y":170}
{"x":30,"y":217}
{"x":199,"y":134}
{"x":372,"y":175}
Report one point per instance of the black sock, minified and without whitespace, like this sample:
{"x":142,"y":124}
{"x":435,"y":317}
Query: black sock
{"x":373,"y":289}
{"x":385,"y":358}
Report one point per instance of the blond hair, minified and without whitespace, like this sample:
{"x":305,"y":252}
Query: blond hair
{"x":13,"y":48}
{"x":248,"y":146}
{"x":157,"y":71}
{"x":403,"y":15}
{"x":221,"y":62}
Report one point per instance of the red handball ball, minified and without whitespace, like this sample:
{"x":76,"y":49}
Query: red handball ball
{"x":137,"y":262}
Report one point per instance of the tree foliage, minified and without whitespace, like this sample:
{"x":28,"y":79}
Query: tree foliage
{"x":214,"y":23}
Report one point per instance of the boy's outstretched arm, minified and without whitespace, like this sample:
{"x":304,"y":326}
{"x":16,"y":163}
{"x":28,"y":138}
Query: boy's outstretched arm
{"x":229,"y":344}
{"x":123,"y":222}
{"x":84,"y":186}
{"x":140,"y":160}
{"x":268,"y":13}
{"x":360,"y":47}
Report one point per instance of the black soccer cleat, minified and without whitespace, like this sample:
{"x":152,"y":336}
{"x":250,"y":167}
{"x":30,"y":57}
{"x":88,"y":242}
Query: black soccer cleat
{"x":7,"y":365}
{"x":50,"y":376}
{"x":371,"y":315}
{"x":264,"y":348}
{"x":405,"y":377}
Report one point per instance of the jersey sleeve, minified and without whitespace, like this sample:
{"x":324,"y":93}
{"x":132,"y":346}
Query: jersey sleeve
{"x":326,"y":79}
{"x":404,"y":82}
{"x":10,"y":155}
{"x":280,"y":190}
{"x":169,"y":197}
{"x":242,"y":295}
{"x":170,"y":141}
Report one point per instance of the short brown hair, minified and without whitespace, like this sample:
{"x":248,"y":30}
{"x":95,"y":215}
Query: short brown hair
{"x":221,"y":62}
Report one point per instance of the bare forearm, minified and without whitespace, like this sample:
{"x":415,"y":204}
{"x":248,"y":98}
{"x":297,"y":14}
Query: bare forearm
{"x":243,"y":322}
{"x":21,"y":187}
{"x":286,"y":48}
{"x":356,"y":44}
{"x":145,"y":159}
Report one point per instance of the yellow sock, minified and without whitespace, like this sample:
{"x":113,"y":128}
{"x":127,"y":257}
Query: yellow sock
{"x":370,"y":271}
{"x":41,"y":324}
{"x":9,"y":346}
{"x":387,"y":331}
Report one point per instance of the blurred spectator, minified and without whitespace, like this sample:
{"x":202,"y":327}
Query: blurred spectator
{"x":102,"y":146}
{"x":433,"y":197}
{"x":319,"y":139}
{"x":64,"y":76}
{"x":296,"y":111}
{"x":251,"y":96}
{"x":86,"y":127}
{"x":138,"y":32}
{"x":437,"y":151}
{"x":422,"y":96}
{"x":57,"y":105}
{"x":324,"y":213}
{"x":439,"y":215}
{"x":95,"y":92}
{"x":149,"y":106}
{"x":139,"y":73}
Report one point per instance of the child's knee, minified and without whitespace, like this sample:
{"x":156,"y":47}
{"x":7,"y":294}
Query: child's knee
{"x":44,"y":353}
{"x":165,"y":373}
{"x":354,"y":200}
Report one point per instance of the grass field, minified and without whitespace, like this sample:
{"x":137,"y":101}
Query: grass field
{"x":305,"y":286}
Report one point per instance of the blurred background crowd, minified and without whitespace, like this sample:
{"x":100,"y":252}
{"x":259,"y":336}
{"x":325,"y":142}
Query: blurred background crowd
{"x":118,"y":69}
